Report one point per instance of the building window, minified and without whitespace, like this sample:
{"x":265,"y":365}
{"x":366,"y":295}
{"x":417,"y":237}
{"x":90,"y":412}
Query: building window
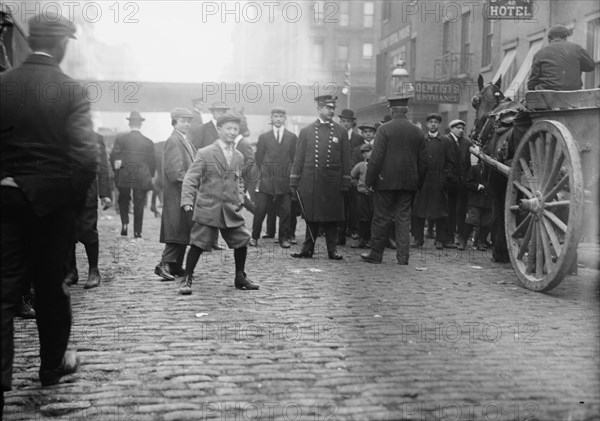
{"x":386,"y":10}
{"x":446,"y":38}
{"x":367,"y":50}
{"x":465,"y":43}
{"x":318,"y":53}
{"x":592,"y":79}
{"x":487,"y":44}
{"x":344,"y":13}
{"x":368,"y":14}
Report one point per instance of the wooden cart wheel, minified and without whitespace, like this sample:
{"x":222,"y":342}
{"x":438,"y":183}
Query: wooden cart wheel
{"x":544,"y":205}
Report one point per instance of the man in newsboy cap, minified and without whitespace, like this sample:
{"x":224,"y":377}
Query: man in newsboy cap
{"x":558,"y":66}
{"x":175,"y":225}
{"x":39,"y":213}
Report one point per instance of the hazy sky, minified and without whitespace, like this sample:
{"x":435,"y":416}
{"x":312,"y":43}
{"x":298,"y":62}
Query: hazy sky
{"x":169,"y":40}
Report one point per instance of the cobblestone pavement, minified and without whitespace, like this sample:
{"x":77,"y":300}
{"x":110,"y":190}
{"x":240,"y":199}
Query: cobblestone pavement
{"x":448,"y":337}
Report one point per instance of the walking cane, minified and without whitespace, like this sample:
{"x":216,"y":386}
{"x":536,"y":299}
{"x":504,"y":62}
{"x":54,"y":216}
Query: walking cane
{"x":304,"y":216}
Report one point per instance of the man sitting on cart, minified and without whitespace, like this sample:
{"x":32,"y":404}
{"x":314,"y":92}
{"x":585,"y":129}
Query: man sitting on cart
{"x":558,"y":66}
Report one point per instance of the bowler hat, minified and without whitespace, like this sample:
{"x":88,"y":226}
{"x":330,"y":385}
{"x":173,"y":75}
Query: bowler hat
{"x":366,"y":147}
{"x":219,"y":106}
{"x":329,"y":100}
{"x":50,"y":24}
{"x":434,"y":116}
{"x":367,"y":126}
{"x":181,"y":112}
{"x":348,"y":114}
{"x":136,"y":116}
{"x":559,"y":31}
{"x":277,"y":110}
{"x":228,"y":117}
{"x":456,"y":123}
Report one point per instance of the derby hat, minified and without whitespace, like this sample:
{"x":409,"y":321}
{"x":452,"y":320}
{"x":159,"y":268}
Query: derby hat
{"x":347,"y":114}
{"x":135,"y":116}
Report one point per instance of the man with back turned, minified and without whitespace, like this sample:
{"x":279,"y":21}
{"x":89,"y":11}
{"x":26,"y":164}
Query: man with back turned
{"x":49,"y":157}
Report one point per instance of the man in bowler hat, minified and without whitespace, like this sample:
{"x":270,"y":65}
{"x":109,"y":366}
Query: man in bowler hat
{"x":133,"y":157}
{"x":49,"y":159}
{"x":396,"y":171}
{"x":176,"y":224}
{"x":320,"y":176}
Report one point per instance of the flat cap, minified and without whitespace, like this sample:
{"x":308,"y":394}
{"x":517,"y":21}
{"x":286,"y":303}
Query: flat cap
{"x":228,"y":117}
{"x":181,"y":112}
{"x":456,"y":123}
{"x":434,"y":116}
{"x":219,"y":106}
{"x":277,"y":110}
{"x":559,"y":31}
{"x":399,"y":100}
{"x":329,"y":100}
{"x":50,"y":24}
{"x":367,"y":126}
{"x":366,"y":147}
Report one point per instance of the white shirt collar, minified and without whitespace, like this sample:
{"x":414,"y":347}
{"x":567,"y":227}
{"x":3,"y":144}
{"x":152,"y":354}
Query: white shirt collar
{"x":135,"y":129}
{"x":214,"y":122}
{"x":433,"y":134}
{"x":224,"y":145}
{"x":454,"y":137}
{"x":41,"y":53}
{"x":349,"y":133}
{"x":322,"y":121}
{"x":184,"y":136}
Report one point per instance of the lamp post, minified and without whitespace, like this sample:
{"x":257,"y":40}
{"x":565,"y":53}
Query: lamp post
{"x":346,"y":88}
{"x":401,"y":84}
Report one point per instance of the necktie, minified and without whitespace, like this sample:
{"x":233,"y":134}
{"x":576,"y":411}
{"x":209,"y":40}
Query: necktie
{"x":228,"y":154}
{"x":278,"y":139}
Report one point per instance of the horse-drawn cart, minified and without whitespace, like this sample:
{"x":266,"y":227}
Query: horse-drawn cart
{"x":553,"y":181}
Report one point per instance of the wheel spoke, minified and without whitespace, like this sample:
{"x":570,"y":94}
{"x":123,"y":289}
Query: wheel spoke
{"x":553,"y":237}
{"x":525,"y":243}
{"x":560,"y":224}
{"x":555,"y":171}
{"x":551,"y":146}
{"x":522,"y":189}
{"x":546,"y":247}
{"x":533,"y":156}
{"x":556,"y":204}
{"x":539,"y":252}
{"x":556,"y":188}
{"x":522,"y":225}
{"x":540,"y":146}
{"x":528,"y":174}
{"x":531,"y":250}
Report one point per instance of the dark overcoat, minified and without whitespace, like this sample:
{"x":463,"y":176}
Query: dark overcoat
{"x":214,"y":188}
{"x":195,"y":131}
{"x":159,"y":150}
{"x":275,"y":161}
{"x":355,"y":140}
{"x":431,"y":200}
{"x":47,"y":144}
{"x":175,"y":224}
{"x":207,"y":135}
{"x":321,"y":168}
{"x":398,"y":159}
{"x":138,"y":163}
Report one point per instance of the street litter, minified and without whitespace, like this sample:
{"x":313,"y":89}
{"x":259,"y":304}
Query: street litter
{"x":421,"y":269}
{"x":475,"y":267}
{"x":201,"y":314}
{"x":377,"y":315}
{"x":314,"y":270}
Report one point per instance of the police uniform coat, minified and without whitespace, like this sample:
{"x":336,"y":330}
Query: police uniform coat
{"x":175,"y":224}
{"x":46,"y":136}
{"x":275,"y":161}
{"x":207,"y":135}
{"x":398,"y":159}
{"x":431,"y":200}
{"x":321,"y":168}
{"x":215,"y":189}
{"x":138,"y":164}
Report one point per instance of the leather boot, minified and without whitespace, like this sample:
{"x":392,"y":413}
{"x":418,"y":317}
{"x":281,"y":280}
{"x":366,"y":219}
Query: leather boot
{"x":242,"y":282}
{"x":94,"y":278}
{"x":371,"y":257}
{"x":72,"y":277}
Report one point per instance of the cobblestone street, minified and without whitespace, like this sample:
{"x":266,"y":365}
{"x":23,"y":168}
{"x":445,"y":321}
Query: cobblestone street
{"x":451,"y":336}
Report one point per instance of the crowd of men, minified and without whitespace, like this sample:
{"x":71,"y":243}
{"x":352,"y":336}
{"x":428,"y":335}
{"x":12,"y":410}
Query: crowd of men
{"x":377,"y":183}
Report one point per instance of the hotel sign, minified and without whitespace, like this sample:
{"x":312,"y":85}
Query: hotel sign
{"x":436,"y":93}
{"x":509,"y":9}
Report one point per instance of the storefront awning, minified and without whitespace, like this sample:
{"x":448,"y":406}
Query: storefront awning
{"x":518,"y":86}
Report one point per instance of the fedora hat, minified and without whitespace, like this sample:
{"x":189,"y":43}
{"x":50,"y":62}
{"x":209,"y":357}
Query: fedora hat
{"x":135,"y":115}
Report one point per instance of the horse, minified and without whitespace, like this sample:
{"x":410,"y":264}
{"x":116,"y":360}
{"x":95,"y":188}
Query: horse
{"x":500,"y":123}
